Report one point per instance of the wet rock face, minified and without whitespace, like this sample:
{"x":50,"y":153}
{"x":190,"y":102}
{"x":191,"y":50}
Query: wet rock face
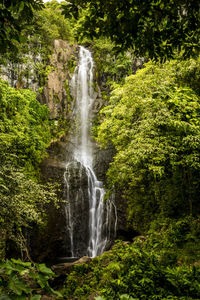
{"x":77,"y":209}
{"x":22,"y":75}
{"x":55,"y":241}
{"x":102,"y":159}
{"x":51,"y":242}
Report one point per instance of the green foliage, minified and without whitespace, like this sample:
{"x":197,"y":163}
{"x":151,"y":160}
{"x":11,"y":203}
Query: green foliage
{"x":49,"y":24}
{"x":24,"y":136}
{"x":176,"y":241}
{"x":126,"y":297}
{"x":34,"y":53}
{"x":35,"y":26}
{"x":42,"y":71}
{"x":59,"y":127}
{"x":138,"y":270}
{"x":23,"y":204}
{"x":19,"y":280}
{"x":153,"y":28}
{"x":153,"y":123}
{"x":111,"y":66}
{"x":24,"y":127}
{"x":15,"y":15}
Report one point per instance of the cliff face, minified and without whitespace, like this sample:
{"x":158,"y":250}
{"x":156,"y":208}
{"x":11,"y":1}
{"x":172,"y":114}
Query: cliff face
{"x":55,"y":93}
{"x":48,"y":77}
{"x":54,"y":167}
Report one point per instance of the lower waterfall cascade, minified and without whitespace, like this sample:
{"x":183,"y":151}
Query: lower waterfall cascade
{"x":90,"y":221}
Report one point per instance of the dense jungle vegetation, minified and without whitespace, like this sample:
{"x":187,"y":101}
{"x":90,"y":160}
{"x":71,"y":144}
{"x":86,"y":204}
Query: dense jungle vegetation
{"x":151,"y":117}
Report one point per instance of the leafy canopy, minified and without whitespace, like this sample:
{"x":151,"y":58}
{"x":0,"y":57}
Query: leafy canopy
{"x":154,"y":28}
{"x":15,"y":15}
{"x":36,"y":38}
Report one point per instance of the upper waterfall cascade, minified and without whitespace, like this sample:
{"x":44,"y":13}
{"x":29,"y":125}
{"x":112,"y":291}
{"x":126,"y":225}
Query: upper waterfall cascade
{"x":84,"y":192}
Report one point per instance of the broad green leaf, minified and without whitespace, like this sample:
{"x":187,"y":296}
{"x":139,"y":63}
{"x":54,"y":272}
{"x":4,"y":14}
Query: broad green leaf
{"x":42,"y":268}
{"x":42,"y":280}
{"x":19,"y":262}
{"x":18,"y":286}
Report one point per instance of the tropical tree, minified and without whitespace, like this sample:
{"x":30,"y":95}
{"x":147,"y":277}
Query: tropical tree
{"x":15,"y":15}
{"x":153,"y":123}
{"x":155,"y":28}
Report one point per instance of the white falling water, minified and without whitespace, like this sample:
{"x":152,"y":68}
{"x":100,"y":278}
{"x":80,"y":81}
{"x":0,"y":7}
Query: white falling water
{"x":82,"y":155}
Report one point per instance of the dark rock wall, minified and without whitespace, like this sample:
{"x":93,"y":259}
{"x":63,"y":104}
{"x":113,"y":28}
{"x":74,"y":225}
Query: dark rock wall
{"x":51,"y":242}
{"x":77,"y":192}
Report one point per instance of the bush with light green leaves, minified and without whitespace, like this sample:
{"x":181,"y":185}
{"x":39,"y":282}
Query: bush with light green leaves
{"x":24,"y":127}
{"x":150,"y":268}
{"x":153,"y":123}
{"x":25,"y":133}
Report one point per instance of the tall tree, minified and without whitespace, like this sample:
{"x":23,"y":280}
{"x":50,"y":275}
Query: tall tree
{"x":14,"y":16}
{"x":153,"y":123}
{"x":152,"y":27}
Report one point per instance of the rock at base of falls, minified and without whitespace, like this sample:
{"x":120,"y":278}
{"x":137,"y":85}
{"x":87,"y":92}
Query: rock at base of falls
{"x":65,"y":268}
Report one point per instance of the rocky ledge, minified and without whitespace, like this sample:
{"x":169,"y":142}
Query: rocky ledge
{"x":65,"y":268}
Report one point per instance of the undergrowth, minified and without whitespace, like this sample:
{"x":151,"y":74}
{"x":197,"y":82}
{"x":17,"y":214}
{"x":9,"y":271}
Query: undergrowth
{"x":158,"y":266}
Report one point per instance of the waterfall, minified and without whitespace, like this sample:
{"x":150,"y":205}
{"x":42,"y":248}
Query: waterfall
{"x":89,"y":220}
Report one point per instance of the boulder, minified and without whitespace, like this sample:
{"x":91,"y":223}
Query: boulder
{"x":65,"y":268}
